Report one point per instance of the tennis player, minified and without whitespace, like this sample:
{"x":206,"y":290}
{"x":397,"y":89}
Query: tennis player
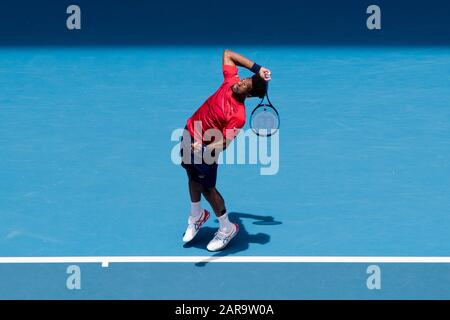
{"x":223,"y":112}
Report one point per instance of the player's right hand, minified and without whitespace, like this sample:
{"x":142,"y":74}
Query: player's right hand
{"x":265,"y":74}
{"x":196,"y":146}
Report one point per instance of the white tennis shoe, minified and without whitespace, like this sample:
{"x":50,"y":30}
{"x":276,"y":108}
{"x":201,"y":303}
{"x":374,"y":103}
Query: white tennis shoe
{"x":221,"y":239}
{"x":194,"y":226}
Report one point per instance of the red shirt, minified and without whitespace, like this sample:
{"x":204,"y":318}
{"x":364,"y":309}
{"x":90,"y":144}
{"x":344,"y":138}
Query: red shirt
{"x":221,"y":110}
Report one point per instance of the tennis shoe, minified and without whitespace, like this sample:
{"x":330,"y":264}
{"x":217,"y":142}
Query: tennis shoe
{"x":194,"y":226}
{"x":222,"y":239}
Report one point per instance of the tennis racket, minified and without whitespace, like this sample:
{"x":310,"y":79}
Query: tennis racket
{"x":264,"y":119}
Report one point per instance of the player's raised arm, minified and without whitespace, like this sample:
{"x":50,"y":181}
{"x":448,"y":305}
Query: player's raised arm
{"x":235,"y":59}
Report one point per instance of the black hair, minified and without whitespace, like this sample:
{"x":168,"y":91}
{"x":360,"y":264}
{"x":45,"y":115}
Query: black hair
{"x":259,"y":87}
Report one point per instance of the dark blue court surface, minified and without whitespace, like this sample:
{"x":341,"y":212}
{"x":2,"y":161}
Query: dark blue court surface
{"x":86,"y":170}
{"x":206,"y":22}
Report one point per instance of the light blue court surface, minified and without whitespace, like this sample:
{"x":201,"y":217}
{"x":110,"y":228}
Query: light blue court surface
{"x":86,"y":170}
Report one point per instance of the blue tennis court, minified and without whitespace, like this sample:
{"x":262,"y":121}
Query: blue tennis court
{"x":86,"y":154}
{"x":86,"y":171}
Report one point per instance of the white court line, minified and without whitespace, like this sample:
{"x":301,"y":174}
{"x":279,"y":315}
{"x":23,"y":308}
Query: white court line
{"x":106,"y":260}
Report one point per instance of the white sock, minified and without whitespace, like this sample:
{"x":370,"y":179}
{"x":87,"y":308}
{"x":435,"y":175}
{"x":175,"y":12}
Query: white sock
{"x":196,"y":210}
{"x":225,"y":224}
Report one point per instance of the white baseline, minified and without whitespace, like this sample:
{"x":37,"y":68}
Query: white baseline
{"x":106,"y":260}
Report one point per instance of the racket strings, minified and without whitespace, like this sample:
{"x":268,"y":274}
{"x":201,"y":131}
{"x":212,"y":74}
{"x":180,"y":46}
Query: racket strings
{"x":264,"y":120}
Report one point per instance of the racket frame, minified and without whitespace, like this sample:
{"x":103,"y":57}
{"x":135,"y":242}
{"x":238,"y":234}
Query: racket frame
{"x":266,"y":105}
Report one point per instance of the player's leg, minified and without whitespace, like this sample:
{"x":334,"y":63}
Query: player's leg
{"x":195,"y":190}
{"x":198,"y":216}
{"x":227,"y":230}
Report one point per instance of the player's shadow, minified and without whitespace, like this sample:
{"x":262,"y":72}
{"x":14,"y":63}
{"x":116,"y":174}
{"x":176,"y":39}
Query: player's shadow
{"x":239,"y":243}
